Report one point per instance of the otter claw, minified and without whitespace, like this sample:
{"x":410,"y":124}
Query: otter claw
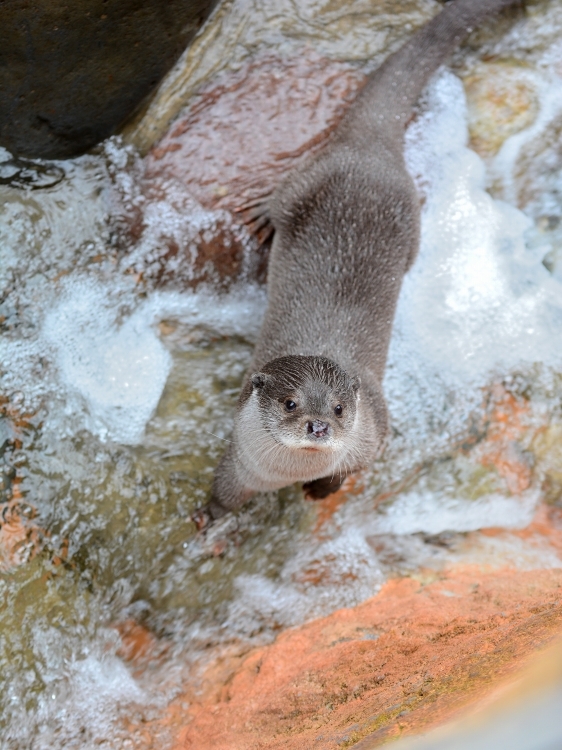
{"x":310,"y":496}
{"x":264,"y":234}
{"x":255,"y":215}
{"x":321,"y":488}
{"x":252,"y":203}
{"x":201,"y":518}
{"x":260,"y":221}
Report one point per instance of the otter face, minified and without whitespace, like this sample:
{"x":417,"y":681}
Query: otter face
{"x":306,"y":403}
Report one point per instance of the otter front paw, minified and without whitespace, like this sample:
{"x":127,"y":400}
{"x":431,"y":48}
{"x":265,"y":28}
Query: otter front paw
{"x":201,"y":518}
{"x":204,"y":517}
{"x":321,"y":488}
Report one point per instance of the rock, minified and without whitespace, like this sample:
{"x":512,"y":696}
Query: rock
{"x":547,"y":447}
{"x":165,"y":238}
{"x":522,"y":715}
{"x":234,"y":142}
{"x":243,"y":29}
{"x":71,"y":73}
{"x":508,"y":425}
{"x":501,"y":102}
{"x":20,"y":536}
{"x":400,"y":663}
{"x":243,"y":132}
{"x":536,"y":173}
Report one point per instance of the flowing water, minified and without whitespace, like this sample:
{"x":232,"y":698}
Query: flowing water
{"x":116,"y":398}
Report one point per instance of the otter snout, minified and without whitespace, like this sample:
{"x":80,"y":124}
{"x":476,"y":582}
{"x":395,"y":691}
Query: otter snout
{"x":318,"y":429}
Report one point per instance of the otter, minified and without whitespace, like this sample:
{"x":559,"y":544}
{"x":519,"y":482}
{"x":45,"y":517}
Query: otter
{"x":346,"y":229}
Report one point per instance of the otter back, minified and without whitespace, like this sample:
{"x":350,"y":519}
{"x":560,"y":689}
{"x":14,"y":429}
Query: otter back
{"x":346,"y":229}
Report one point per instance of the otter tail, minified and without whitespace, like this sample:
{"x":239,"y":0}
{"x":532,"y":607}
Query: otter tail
{"x":384,"y":106}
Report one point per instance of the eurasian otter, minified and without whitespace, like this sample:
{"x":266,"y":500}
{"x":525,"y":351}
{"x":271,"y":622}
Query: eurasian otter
{"x":346,"y":229}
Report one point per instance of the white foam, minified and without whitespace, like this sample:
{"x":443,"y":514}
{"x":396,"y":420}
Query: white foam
{"x":82,"y":709}
{"x":97,"y":683}
{"x":320,"y":577}
{"x":120,"y":370}
{"x":434,"y":512}
{"x":478,"y":302}
{"x":476,"y":299}
{"x":110,"y":365}
{"x":239,"y":312}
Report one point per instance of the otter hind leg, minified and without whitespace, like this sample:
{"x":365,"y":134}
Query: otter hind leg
{"x":255,"y":215}
{"x":321,"y":488}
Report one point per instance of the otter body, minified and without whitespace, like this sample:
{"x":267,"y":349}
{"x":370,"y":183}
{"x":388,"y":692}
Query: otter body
{"x":347,"y":226}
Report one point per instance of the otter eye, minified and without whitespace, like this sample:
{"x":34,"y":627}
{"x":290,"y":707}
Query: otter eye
{"x":338,"y":410}
{"x":290,"y":405}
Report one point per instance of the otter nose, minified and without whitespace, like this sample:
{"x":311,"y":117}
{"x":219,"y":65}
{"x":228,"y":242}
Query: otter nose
{"x":317,"y":428}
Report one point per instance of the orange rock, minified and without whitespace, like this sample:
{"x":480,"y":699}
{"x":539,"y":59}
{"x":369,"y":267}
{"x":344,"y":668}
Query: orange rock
{"x":20,"y":536}
{"x":136,"y":641}
{"x":508,"y":422}
{"x":406,"y":660}
{"x":20,"y":539}
{"x":501,"y":101}
{"x":139,"y":647}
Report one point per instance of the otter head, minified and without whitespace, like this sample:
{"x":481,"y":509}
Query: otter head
{"x":307,"y":403}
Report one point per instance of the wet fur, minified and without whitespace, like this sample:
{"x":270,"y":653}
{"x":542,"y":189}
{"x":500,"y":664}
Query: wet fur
{"x":347,"y":228}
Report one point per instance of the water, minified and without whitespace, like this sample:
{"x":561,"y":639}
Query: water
{"x":118,"y":391}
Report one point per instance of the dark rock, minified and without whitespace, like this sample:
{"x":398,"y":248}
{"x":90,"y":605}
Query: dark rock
{"x":71,"y":73}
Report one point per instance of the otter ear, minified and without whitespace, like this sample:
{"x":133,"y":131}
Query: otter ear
{"x":356,"y":383}
{"x":259,"y":379}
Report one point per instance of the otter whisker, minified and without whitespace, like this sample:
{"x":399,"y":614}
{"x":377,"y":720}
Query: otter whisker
{"x":219,"y":437}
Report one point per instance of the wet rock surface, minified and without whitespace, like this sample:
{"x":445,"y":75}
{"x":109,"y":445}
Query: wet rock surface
{"x":239,"y":31}
{"x":402,"y":662}
{"x":231,"y":146}
{"x":174,"y":222}
{"x":20,"y":537}
{"x":165,"y":238}
{"x":241,"y":134}
{"x":500,"y":103}
{"x":70,"y":74}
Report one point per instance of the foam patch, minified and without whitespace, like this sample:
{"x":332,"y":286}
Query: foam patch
{"x":119,"y":370}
